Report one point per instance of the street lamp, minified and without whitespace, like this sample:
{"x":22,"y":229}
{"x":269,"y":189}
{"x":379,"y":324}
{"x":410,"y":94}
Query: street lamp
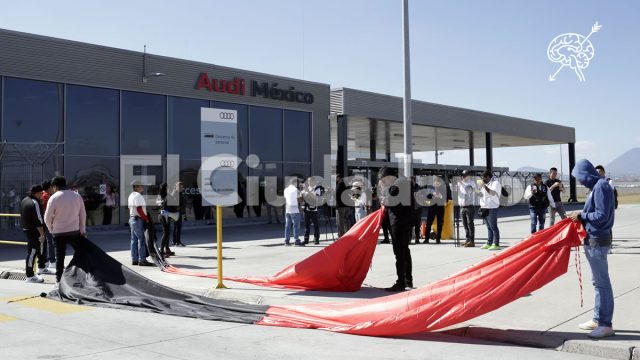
{"x":145,"y":76}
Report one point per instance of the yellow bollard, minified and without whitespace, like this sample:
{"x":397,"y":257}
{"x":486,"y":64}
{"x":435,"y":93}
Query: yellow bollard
{"x":219,"y":245}
{"x":447,"y":226}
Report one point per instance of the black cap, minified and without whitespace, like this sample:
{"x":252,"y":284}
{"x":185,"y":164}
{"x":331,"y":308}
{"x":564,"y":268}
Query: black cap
{"x":35,"y":189}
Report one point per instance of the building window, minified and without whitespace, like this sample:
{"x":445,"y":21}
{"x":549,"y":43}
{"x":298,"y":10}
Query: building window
{"x":297,"y":136}
{"x":184,"y":127}
{"x":265,"y":133}
{"x":144,"y":124}
{"x":32,"y":111}
{"x":93,"y":121}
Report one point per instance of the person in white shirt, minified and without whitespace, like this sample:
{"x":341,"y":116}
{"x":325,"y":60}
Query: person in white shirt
{"x":359,"y":197}
{"x":490,"y":191}
{"x":138,"y":219}
{"x":540,"y":199}
{"x":467,"y":189}
{"x":65,"y":218}
{"x":292,"y":213}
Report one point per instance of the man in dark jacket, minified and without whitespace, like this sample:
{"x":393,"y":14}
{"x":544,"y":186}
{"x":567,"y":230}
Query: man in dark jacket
{"x":397,"y":197}
{"x":597,"y":216}
{"x":33,"y":227}
{"x":344,"y":209}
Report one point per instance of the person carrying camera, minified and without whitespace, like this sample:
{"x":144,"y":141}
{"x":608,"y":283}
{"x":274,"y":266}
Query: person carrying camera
{"x":555,"y":186}
{"x":467,"y":189}
{"x":540,"y":199}
{"x":490,"y":191}
{"x":312,"y":195}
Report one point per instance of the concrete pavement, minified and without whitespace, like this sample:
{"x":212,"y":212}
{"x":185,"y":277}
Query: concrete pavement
{"x":546,"y":319}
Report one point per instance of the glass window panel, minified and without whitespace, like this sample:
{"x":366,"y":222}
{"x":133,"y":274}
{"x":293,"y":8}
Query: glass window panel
{"x":144,"y":124}
{"x":32,"y":111}
{"x":184,"y":126}
{"x":265,"y":133}
{"x":297,"y":136}
{"x":91,"y":175}
{"x":93,"y":123}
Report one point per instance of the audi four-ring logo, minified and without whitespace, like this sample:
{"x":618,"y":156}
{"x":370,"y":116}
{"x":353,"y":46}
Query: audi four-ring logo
{"x":227,"y":163}
{"x":226,"y":115}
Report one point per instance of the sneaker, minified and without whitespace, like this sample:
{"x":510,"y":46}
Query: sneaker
{"x":134,"y":263}
{"x":589,"y":325}
{"x":385,"y":242}
{"x":409,"y":283}
{"x":486,"y":246}
{"x":45,"y":271}
{"x":306,"y":241}
{"x":601,"y":332}
{"x":397,"y":287}
{"x":495,"y":247}
{"x":144,"y":263}
{"x":34,"y":279}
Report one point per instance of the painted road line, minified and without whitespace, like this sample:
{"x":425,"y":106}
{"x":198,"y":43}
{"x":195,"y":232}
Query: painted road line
{"x":4,"y":318}
{"x":45,"y":304}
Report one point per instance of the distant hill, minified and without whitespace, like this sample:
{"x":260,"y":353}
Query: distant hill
{"x":625,"y":164}
{"x":532,"y":169}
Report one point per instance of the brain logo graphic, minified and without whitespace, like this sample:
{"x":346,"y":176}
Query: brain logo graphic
{"x":572,"y":50}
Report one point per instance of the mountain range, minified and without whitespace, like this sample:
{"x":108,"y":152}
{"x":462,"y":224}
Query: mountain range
{"x":625,"y":164}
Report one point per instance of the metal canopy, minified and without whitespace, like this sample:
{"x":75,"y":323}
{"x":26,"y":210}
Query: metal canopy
{"x":451,"y":126}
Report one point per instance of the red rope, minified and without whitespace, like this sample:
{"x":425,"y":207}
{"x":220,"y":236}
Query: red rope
{"x":579,"y":271}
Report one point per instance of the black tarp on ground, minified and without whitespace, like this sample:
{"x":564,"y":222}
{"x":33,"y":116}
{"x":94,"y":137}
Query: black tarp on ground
{"x":95,"y":278}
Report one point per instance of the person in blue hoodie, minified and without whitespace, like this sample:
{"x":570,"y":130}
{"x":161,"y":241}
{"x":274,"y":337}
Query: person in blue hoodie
{"x":597,"y":216}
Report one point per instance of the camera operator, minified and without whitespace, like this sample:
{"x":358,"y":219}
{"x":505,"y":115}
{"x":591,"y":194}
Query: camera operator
{"x":312,"y":195}
{"x":556,"y":187}
{"x":359,"y":197}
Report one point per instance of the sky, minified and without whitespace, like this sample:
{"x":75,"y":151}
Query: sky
{"x":485,"y":55}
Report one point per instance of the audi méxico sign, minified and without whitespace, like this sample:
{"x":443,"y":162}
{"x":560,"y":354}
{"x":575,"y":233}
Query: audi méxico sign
{"x":237,"y":86}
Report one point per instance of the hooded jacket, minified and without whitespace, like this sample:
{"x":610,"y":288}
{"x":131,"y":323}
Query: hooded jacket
{"x":599,"y":208}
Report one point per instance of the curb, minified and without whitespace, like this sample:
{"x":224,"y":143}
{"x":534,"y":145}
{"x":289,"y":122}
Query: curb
{"x":539,"y":340}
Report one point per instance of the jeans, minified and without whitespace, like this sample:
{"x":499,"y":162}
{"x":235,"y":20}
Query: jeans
{"x":435,"y":212}
{"x":401,"y":235}
{"x":360,"y":213}
{"x":603,"y":310}
{"x":292,"y":220}
{"x":177,"y":231}
{"x":537,"y":218}
{"x":559,"y":209}
{"x":311,"y":217}
{"x":492,"y":227}
{"x":468,"y":213}
{"x":50,"y":253}
{"x":344,"y":218}
{"x":138,"y":245}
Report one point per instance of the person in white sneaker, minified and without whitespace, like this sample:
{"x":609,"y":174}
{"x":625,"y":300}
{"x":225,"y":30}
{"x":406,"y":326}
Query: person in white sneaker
{"x":597,"y":216}
{"x":65,"y":218}
{"x":32,"y":226}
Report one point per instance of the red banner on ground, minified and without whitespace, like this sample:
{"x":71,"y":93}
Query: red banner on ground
{"x":477,"y":290}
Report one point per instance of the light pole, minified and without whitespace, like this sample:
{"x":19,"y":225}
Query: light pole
{"x":406,"y":109}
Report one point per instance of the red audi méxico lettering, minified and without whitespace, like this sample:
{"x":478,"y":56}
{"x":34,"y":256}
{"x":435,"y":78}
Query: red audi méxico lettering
{"x":235,"y":86}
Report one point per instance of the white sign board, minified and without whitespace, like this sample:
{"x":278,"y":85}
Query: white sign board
{"x":219,"y":148}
